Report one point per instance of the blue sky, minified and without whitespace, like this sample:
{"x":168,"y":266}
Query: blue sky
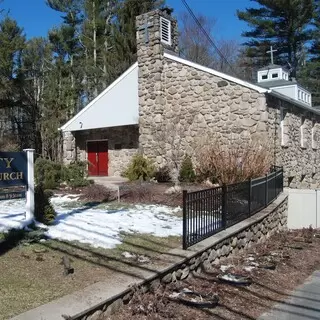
{"x":36,"y":18}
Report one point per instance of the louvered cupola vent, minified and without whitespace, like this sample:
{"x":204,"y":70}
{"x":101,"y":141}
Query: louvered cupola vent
{"x":165,"y":30}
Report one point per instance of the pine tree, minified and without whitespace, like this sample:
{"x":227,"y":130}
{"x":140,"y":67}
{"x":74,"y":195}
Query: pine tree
{"x":96,"y":39}
{"x":12,"y":42}
{"x":34,"y":69}
{"x":285,"y":24}
{"x":125,"y":47}
{"x":309,"y":75}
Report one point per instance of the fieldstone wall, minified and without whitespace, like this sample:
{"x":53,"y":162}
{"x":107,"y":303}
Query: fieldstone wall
{"x":300,"y":162}
{"x":180,"y":105}
{"x":69,"y":147}
{"x":199,"y":104}
{"x":210,"y":251}
{"x":122,"y":145}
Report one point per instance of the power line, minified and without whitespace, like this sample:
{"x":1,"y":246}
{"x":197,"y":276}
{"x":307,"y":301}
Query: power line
{"x":208,"y":36}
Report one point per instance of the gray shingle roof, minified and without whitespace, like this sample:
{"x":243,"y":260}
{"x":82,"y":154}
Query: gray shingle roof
{"x":277,"y":83}
{"x":295,"y":102}
{"x":273,"y":66}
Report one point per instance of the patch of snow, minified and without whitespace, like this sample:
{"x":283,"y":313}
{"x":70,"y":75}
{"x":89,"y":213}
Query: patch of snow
{"x":128,"y":255}
{"x":249,"y":268}
{"x":228,"y":277}
{"x":224,"y":268}
{"x":173,"y":190}
{"x":250,"y":259}
{"x":63,"y":199}
{"x":143,"y":259}
{"x":99,"y":227}
{"x":12,"y":214}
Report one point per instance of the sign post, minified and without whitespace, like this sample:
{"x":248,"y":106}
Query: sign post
{"x":30,"y":185}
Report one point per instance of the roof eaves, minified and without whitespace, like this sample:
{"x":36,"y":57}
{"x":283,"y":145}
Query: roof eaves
{"x":295,"y":102}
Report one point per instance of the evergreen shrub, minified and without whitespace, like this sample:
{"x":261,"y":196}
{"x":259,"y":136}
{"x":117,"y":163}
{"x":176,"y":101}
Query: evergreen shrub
{"x":48,"y":173}
{"x":44,"y":211}
{"x":186,"y":173}
{"x":140,"y":168}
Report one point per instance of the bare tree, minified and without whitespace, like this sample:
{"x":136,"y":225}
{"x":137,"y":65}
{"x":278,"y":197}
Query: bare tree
{"x":196,"y":46}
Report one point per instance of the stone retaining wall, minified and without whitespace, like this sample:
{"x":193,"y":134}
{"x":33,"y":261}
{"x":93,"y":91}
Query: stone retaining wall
{"x":201,"y":256}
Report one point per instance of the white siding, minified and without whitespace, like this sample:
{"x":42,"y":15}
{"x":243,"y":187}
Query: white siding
{"x":303,"y":208}
{"x":118,"y":105}
{"x":289,"y":91}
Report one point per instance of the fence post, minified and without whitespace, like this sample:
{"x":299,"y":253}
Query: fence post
{"x":266,"y":191}
{"x":184,"y":220}
{"x":250,"y":195}
{"x":224,"y":205}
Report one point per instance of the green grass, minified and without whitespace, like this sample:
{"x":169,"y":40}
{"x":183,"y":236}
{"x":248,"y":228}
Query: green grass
{"x":28,"y":281}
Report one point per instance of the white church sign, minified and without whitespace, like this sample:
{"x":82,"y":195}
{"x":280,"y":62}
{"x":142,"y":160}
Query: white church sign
{"x":17,"y":170}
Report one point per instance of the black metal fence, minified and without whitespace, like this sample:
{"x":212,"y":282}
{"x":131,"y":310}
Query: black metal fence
{"x":207,"y":212}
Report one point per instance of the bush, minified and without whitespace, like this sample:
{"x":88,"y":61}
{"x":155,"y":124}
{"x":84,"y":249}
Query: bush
{"x":140,"y":168}
{"x":138,"y":192}
{"x":48,"y":173}
{"x":75,"y":174}
{"x":186,"y":173}
{"x":44,"y":211}
{"x":97,"y":192}
{"x":163,"y":174}
{"x":236,"y":162}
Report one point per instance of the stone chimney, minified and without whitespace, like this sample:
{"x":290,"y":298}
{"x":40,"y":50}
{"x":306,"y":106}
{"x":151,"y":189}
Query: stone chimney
{"x":156,"y":33}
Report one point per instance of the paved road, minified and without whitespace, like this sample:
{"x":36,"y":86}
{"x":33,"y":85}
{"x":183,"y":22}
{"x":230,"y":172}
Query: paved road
{"x":304,"y":304}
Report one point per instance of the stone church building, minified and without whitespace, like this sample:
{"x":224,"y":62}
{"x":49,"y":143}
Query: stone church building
{"x":163,"y":104}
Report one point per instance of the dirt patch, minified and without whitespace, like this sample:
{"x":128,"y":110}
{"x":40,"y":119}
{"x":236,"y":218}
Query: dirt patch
{"x":295,"y":255}
{"x":155,"y":193}
{"x":137,"y":192}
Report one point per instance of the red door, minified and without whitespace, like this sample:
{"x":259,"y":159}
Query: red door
{"x":97,"y":158}
{"x":103,"y":158}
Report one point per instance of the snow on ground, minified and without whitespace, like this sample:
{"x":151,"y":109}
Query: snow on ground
{"x":97,"y":226}
{"x":12,"y":214}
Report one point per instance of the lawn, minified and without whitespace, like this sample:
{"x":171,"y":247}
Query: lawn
{"x":33,"y":274}
{"x":99,"y":238}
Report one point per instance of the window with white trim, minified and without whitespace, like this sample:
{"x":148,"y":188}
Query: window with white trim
{"x":165,"y":30}
{"x":299,"y":94}
{"x":314,"y":135}
{"x":302,"y":137}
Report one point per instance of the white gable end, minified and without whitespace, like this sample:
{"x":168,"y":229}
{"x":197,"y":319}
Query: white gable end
{"x":118,"y":105}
